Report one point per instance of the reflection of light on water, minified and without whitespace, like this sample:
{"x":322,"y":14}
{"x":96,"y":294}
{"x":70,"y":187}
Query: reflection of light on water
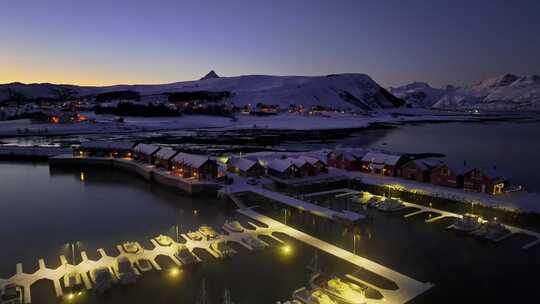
{"x":82,"y":177}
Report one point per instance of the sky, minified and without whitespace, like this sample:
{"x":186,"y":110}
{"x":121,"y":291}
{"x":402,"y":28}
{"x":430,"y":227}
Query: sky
{"x":395,"y":42}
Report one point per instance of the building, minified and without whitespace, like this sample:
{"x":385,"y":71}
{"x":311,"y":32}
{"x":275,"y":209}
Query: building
{"x":283,"y":168}
{"x":103,"y":148}
{"x":420,"y":169}
{"x":199,"y":167}
{"x":448,"y":176}
{"x":350,"y":159}
{"x":383,"y":163}
{"x":245,"y":167}
{"x":145,"y":152}
{"x":318,"y":165}
{"x":486,"y":181}
{"x":163,"y":158}
{"x":305,"y":168}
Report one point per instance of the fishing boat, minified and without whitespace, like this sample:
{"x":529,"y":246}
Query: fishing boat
{"x":208,"y":232}
{"x":194,"y":236}
{"x":222,"y":249}
{"x":373,"y":202}
{"x":73,"y":283}
{"x":12,"y":294}
{"x":233,"y":226}
{"x":131,"y":247}
{"x":124,"y":271}
{"x":315,"y":296}
{"x":467,"y":223}
{"x":143,"y":264}
{"x":164,"y":240}
{"x":254,"y":242}
{"x":492,"y":231}
{"x":338,"y":290}
{"x":390,"y":204}
{"x":102,"y":279}
{"x":185,"y":256}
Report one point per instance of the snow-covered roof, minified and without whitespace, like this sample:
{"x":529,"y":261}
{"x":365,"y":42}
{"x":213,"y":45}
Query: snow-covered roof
{"x":146,"y":149}
{"x":311,"y":160}
{"x":280,"y":165}
{"x":192,"y":160}
{"x":427,"y":163}
{"x":243,"y":164}
{"x":166,"y":153}
{"x":381,"y":158}
{"x":494,"y":175}
{"x":106,"y":144}
{"x":351,"y":153}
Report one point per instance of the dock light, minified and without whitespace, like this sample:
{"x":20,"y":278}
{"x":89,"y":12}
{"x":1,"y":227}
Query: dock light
{"x":70,"y":296}
{"x":82,"y":176}
{"x":174,"y":272}
{"x":286,"y":249}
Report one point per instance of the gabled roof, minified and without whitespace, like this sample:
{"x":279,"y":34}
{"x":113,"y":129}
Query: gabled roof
{"x":494,"y":175}
{"x":350,"y":153}
{"x":107,"y":144}
{"x":427,"y":163}
{"x":146,"y":149}
{"x":192,"y":160}
{"x":311,"y":160}
{"x":243,"y":164}
{"x":381,"y":158}
{"x":166,"y":153}
{"x":280,"y":165}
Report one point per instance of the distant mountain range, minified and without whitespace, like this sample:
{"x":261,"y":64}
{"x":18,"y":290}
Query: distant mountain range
{"x":355,"y":91}
{"x":506,"y":92}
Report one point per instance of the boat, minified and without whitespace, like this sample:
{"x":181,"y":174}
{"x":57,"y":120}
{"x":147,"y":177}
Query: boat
{"x":164,"y":240}
{"x":492,"y":231}
{"x":185,"y":256}
{"x":131,"y":247}
{"x":194,"y":236}
{"x":254,"y":242}
{"x":73,"y":283}
{"x":315,"y":296}
{"x":102,"y":279}
{"x":124,"y":271}
{"x":338,"y":290}
{"x":12,"y":294}
{"x":373,"y":202}
{"x":233,"y":226}
{"x":222,"y":249}
{"x":208,"y":232}
{"x":390,"y":204}
{"x":467,"y":223}
{"x":143,"y":264}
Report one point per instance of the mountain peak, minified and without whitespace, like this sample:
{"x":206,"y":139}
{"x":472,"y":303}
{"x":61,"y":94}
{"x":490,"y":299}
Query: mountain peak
{"x":210,"y":75}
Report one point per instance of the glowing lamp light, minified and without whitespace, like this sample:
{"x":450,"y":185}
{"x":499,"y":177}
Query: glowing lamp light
{"x":286,"y":250}
{"x":174,"y":272}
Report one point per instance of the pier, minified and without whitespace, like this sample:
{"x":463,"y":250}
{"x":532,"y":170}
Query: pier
{"x":441,"y":215}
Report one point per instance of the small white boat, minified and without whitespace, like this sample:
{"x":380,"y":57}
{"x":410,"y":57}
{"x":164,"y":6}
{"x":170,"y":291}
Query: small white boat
{"x":164,"y":240}
{"x":233,"y":226}
{"x":194,"y":236}
{"x":131,"y":247}
{"x":467,"y":223}
{"x":143,"y":264}
{"x":390,"y":204}
{"x":222,"y":249}
{"x":208,"y":232}
{"x":373,"y":202}
{"x":340,"y":291}
{"x":124,"y":271}
{"x":492,"y":231}
{"x":185,"y":256}
{"x":254,"y":242}
{"x":316,"y":296}
{"x":73,"y":283}
{"x":12,"y":294}
{"x":102,"y":279}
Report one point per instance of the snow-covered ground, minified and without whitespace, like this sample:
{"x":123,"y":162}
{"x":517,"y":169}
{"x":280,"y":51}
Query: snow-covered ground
{"x":105,"y":124}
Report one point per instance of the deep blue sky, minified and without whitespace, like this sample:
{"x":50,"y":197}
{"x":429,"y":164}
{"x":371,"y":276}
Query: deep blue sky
{"x":395,"y":42}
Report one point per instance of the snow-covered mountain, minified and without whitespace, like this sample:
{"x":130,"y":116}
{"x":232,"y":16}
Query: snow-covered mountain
{"x":505,"y":92}
{"x":356,"y":91}
{"x":418,"y":94}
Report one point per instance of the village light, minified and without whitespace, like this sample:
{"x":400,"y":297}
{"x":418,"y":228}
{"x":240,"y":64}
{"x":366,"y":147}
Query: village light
{"x":174,"y":272}
{"x":286,"y":249}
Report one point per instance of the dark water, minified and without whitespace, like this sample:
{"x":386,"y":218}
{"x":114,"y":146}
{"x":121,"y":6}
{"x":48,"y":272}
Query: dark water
{"x":41,"y":211}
